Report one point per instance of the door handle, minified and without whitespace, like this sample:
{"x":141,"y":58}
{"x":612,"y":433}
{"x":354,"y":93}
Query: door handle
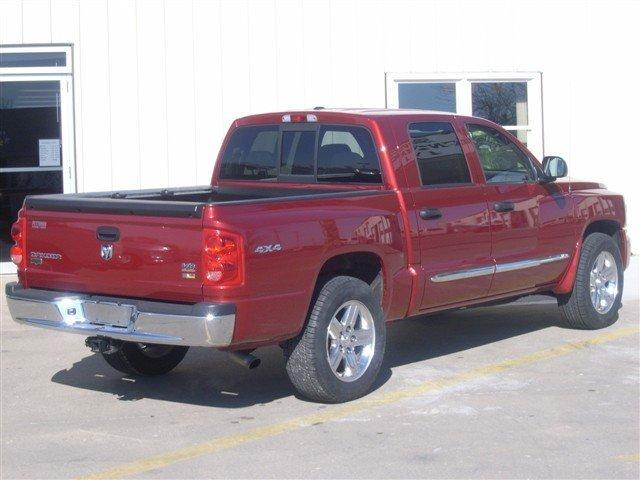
{"x":504,"y":206}
{"x":108,"y":234}
{"x":430,"y":213}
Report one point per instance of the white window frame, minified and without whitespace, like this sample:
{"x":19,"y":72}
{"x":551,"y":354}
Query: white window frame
{"x":463,"y":82}
{"x":67,"y":69}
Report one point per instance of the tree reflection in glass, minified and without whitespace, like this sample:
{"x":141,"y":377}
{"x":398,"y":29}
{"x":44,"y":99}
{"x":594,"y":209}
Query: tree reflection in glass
{"x":504,"y":103}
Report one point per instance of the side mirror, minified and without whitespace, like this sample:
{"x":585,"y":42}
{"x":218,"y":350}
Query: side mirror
{"x":554,"y":167}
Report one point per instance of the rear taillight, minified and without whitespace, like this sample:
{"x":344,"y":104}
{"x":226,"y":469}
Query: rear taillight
{"x":17,"y":234}
{"x":222,"y":258}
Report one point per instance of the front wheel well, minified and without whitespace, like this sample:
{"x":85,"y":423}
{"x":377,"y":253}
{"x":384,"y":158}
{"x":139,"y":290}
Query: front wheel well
{"x":608,"y":227}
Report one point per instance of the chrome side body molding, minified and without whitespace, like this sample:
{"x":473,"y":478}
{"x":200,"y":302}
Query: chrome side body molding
{"x":460,"y":274}
{"x":499,"y":268}
{"x":535,"y":262}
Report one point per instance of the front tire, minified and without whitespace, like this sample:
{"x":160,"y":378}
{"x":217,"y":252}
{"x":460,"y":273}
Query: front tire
{"x":338,"y":355}
{"x":145,"y":359}
{"x":597,"y":292}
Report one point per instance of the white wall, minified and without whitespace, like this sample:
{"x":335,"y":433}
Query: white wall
{"x":158,"y":82}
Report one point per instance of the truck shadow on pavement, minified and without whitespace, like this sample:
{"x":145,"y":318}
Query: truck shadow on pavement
{"x":207,"y":377}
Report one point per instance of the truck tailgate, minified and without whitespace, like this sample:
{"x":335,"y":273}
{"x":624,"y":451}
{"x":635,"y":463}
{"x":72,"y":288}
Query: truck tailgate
{"x":153,"y":257}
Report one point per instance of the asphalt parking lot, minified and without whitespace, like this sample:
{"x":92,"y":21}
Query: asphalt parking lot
{"x":499,"y":392}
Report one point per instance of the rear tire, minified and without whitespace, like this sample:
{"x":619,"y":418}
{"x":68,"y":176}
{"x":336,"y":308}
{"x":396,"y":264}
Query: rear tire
{"x":145,"y":359}
{"x":338,"y":355}
{"x":597,"y":292}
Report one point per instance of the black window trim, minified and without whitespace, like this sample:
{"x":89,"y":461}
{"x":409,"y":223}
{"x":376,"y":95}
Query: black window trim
{"x":415,"y":158}
{"x":297,"y":127}
{"x":532,"y":165}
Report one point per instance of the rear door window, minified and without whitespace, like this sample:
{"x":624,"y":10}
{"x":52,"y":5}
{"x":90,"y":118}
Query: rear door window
{"x":347,"y":154}
{"x":251,"y":154}
{"x":438,"y":153}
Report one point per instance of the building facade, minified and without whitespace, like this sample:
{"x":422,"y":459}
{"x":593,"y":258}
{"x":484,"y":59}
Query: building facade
{"x":123,"y":94}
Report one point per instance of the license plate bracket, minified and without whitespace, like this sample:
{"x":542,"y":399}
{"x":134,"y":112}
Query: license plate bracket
{"x":103,"y":313}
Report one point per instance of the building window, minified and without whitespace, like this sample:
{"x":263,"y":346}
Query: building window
{"x":32,"y":59}
{"x":512,"y":100}
{"x":439,"y":96}
{"x":504,"y":103}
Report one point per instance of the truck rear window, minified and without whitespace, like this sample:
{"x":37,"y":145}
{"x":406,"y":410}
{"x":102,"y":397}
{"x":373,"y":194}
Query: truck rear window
{"x":251,"y":154}
{"x":327,"y":153}
{"x":347,"y":154}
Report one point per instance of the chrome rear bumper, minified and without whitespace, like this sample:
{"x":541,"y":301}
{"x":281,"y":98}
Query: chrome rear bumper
{"x":200,"y":324}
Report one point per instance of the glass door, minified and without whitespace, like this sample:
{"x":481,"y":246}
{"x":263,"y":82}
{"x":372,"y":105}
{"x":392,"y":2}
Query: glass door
{"x":36,"y":145}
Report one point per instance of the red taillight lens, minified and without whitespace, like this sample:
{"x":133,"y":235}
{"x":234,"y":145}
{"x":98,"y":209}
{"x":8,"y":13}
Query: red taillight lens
{"x":222,"y":258}
{"x":16,"y":255}
{"x":17,"y":234}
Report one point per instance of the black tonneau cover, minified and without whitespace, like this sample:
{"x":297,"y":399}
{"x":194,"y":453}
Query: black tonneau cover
{"x":175,"y":202}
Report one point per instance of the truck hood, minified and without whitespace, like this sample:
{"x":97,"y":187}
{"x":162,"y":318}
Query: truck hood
{"x":573,"y":185}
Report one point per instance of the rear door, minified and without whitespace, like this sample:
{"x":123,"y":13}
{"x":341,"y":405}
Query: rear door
{"x":453,"y":221}
{"x":120,"y":255}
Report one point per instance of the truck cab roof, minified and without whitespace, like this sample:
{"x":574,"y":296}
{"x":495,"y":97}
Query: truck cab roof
{"x":340,"y":114}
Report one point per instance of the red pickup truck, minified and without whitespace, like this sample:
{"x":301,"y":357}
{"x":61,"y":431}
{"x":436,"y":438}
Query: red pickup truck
{"x":318,"y":228}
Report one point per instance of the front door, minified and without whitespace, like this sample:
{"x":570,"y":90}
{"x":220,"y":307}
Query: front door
{"x":452,"y":217}
{"x":36,"y":145}
{"x":519,"y":205}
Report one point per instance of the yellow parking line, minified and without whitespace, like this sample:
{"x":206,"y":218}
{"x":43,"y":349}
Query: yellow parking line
{"x":164,"y":459}
{"x":628,"y":458}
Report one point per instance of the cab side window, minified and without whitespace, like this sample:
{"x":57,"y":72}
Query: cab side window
{"x":501,"y":160}
{"x":438,"y":153}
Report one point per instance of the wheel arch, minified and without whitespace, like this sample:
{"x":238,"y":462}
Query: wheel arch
{"x":604,"y":225}
{"x":615,"y":229}
{"x":362,"y":264}
{"x":607,"y":226}
{"x":365,"y":265}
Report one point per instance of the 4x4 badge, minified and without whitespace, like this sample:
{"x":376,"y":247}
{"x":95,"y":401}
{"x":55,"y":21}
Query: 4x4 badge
{"x":106,"y":252}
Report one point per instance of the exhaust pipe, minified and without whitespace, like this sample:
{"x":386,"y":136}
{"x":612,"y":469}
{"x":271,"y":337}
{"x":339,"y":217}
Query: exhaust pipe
{"x":245,"y":359}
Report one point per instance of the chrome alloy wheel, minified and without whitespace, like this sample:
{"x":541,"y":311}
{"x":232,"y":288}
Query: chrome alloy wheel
{"x":603,"y":282}
{"x":351,"y":339}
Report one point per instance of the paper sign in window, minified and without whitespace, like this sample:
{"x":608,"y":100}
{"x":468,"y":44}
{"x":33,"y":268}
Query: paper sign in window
{"x":49,"y":152}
